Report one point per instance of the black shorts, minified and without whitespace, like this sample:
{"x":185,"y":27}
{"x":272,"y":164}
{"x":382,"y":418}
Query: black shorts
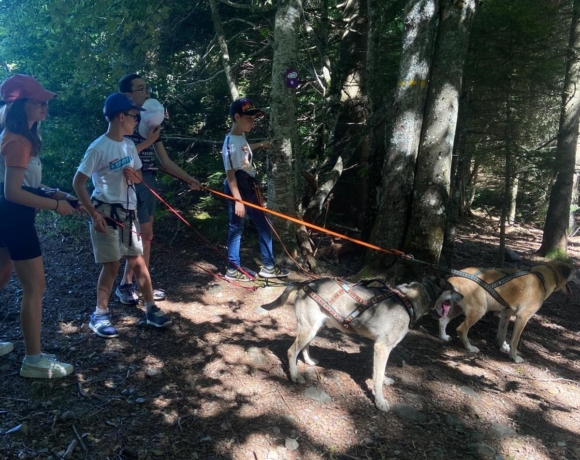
{"x":17,"y":233}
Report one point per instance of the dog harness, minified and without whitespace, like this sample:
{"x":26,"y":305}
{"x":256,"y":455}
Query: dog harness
{"x":387,"y":292}
{"x":491,"y":288}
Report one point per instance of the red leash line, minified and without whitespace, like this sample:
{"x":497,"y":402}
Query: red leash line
{"x":393,"y":252}
{"x":251,"y":288}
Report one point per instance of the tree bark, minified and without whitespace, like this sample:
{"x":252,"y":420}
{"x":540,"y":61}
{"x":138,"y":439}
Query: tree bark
{"x":399,"y":168}
{"x":513,"y":198}
{"x":284,"y":157}
{"x":221,"y":38}
{"x":507,"y":178}
{"x":458,"y":163}
{"x":426,"y":229}
{"x":556,"y":226}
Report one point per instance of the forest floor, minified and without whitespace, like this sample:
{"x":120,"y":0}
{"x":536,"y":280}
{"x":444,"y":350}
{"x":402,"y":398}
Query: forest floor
{"x":215,"y":385}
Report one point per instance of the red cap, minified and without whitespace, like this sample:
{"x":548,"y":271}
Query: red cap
{"x":23,"y":87}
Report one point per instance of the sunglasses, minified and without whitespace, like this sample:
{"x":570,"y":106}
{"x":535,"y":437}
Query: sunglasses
{"x":137,"y":118}
{"x":144,"y":90}
{"x":38,"y":103}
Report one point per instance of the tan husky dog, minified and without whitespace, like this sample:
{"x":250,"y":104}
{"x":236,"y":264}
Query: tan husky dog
{"x":336,"y":303}
{"x":516,"y":293}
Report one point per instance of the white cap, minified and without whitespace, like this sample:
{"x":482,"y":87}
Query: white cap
{"x":152,"y":117}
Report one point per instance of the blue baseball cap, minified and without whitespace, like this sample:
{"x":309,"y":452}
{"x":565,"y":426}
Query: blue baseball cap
{"x":119,"y":102}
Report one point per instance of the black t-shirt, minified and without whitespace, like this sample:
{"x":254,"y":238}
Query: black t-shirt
{"x":148,"y":156}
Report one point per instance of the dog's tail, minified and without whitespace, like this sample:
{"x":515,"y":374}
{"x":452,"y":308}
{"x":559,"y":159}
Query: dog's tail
{"x":263,"y":309}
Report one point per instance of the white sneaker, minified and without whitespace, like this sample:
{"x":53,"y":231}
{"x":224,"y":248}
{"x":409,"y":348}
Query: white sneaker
{"x":5,"y":348}
{"x":47,"y":368}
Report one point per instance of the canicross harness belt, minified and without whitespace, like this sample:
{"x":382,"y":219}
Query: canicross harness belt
{"x":491,"y":288}
{"x":363,"y":305}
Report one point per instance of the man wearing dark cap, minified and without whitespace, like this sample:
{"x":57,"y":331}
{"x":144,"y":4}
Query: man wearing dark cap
{"x":241,"y":184}
{"x":113,"y":164}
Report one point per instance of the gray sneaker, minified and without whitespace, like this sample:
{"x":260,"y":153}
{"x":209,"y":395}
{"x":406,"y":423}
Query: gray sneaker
{"x":5,"y":348}
{"x":126,"y":294}
{"x":273,"y":272}
{"x":245,"y":274}
{"x":158,"y":294}
{"x":47,"y":368}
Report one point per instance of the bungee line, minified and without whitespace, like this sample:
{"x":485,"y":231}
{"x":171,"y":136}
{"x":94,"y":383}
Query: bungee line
{"x":392,"y":252}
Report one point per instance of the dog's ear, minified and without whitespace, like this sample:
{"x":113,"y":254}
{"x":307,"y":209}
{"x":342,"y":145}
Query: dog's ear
{"x":566,"y":270}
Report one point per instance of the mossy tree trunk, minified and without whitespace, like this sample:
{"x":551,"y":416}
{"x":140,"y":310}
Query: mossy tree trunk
{"x":426,"y":228}
{"x":398,"y":171}
{"x":284,"y":157}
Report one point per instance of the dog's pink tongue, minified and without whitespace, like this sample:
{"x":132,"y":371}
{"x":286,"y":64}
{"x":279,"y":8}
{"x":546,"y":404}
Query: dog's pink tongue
{"x":445,"y":307}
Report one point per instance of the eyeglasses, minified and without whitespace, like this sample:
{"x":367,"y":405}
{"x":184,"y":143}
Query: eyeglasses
{"x":137,"y":118}
{"x":144,"y":90}
{"x":38,"y":103}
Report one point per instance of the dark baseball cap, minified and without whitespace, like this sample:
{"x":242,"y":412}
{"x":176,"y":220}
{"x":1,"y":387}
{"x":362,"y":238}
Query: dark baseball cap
{"x":119,"y":102}
{"x":244,"y":106}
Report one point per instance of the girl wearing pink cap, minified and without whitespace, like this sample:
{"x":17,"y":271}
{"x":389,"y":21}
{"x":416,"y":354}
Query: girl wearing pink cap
{"x":21,"y":193}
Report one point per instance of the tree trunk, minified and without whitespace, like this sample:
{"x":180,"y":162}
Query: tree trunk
{"x":556,"y":226}
{"x":282,"y":177}
{"x":221,"y":38}
{"x":507,"y":178}
{"x":513,"y":196}
{"x":399,"y":167}
{"x":433,"y":177}
{"x":574,"y":204}
{"x":457,"y":188}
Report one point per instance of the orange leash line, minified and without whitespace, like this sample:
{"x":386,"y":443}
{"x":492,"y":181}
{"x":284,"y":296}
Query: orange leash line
{"x":393,"y":252}
{"x":306,"y":224}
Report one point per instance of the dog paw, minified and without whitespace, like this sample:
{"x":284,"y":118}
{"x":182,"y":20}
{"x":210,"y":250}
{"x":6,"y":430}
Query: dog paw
{"x":388,"y":381}
{"x":382,"y":405}
{"x":445,"y":338}
{"x":518,"y":359}
{"x":505,"y":347}
{"x":311,"y":362}
{"x":472,"y":349}
{"x":298,"y":379}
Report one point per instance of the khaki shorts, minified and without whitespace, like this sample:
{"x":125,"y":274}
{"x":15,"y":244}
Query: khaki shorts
{"x":123,"y":241}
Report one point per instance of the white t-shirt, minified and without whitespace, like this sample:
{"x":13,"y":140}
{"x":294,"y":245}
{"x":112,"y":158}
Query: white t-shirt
{"x":237,"y":154}
{"x":104,"y":162}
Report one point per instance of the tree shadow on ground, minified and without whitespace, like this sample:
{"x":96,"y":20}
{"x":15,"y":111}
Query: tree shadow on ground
{"x":215,"y":385}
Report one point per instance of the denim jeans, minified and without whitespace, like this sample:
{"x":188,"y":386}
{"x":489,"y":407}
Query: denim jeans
{"x":237,"y":227}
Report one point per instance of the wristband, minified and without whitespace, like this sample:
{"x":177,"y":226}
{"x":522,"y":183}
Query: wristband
{"x":56,"y":205}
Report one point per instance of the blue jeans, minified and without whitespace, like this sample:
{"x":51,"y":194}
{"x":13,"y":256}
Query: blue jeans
{"x":237,"y":228}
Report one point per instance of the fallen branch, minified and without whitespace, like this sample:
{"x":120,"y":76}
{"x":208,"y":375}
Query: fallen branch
{"x":68,"y":453}
{"x":79,"y":438}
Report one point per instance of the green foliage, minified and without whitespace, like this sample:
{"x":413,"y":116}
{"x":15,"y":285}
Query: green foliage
{"x":80,"y":49}
{"x":514,"y":74}
{"x":558,"y":254}
{"x":70,"y":229}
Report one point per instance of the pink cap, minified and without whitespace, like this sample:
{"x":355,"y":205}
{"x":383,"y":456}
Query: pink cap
{"x":24,"y":87}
